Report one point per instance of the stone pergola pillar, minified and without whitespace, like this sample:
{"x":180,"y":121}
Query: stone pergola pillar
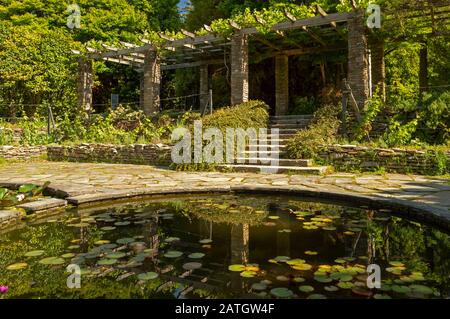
{"x":204,"y":87}
{"x":358,"y":65}
{"x":84,"y":84}
{"x":151,"y":83}
{"x":239,"y":69}
{"x":378,"y":68}
{"x":281,"y":84}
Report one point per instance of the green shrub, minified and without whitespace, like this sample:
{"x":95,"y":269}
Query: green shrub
{"x":246,"y":115}
{"x":323,"y":130}
{"x":303,"y":105}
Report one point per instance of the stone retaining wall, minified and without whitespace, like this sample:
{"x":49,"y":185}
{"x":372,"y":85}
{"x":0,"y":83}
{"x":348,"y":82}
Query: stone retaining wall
{"x":360,"y":158}
{"x":22,"y":152}
{"x":158,"y":154}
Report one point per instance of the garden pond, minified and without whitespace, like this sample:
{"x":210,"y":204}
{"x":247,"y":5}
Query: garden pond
{"x":224,"y":246}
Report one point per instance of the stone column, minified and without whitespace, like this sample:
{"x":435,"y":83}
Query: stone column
{"x":378,"y":68}
{"x":151,"y":83}
{"x":281,"y":84}
{"x":239,"y":69}
{"x":358,"y":66}
{"x":204,"y":87}
{"x":84,"y":84}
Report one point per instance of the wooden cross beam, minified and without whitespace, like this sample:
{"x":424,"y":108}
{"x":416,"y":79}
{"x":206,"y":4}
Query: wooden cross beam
{"x":128,"y":45}
{"x":314,"y":35}
{"x":188,"y":34}
{"x":323,"y":13}
{"x":208,"y":28}
{"x":235,"y":25}
{"x":289,"y":16}
{"x":266,"y":42}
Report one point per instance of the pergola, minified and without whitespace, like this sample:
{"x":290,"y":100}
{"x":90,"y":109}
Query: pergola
{"x":316,"y":35}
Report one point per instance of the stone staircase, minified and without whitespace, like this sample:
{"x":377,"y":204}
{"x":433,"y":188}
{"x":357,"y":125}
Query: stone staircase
{"x":288,"y":126}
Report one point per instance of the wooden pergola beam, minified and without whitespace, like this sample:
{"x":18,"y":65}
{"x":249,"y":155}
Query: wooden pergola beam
{"x":188,"y":34}
{"x":190,"y":64}
{"x":323,"y":13}
{"x":314,"y":35}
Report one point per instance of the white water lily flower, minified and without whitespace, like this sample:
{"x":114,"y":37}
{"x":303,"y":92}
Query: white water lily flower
{"x":20,"y":197}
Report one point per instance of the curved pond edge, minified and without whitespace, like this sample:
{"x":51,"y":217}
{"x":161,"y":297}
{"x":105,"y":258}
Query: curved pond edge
{"x":425,"y":213}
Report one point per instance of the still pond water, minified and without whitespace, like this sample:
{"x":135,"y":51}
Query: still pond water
{"x":225,"y":247}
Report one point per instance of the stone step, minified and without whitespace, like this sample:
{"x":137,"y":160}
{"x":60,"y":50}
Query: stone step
{"x":290,"y":126}
{"x":249,"y":153}
{"x":281,"y":162}
{"x":267,"y":146}
{"x":295,"y":116}
{"x":288,"y":131}
{"x":291,"y":121}
{"x":275,"y":169}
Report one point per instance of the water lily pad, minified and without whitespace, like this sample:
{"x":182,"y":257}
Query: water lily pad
{"x":340,"y":261}
{"x":73,"y":247}
{"x":122,"y":224}
{"x":148,"y":276}
{"x":259,"y":286}
{"x":299,"y":279}
{"x":192,"y":266}
{"x":102,"y":242}
{"x":248,"y":274}
{"x":395,"y":270}
{"x":316,"y":296}
{"x":205,"y":241}
{"x":171,"y":239}
{"x":68,"y":255}
{"x":196,"y":255}
{"x":282,"y":293}
{"x":282,"y":278}
{"x":322,"y":278}
{"x":401,"y":289}
{"x":331,"y":288}
{"x":116,"y":255}
{"x":396,"y":264}
{"x":17,"y":266}
{"x":306,"y":288}
{"x":282,"y":258}
{"x":311,"y":253}
{"x":295,"y":261}
{"x":173,"y":254}
{"x":236,"y":268}
{"x":345,"y":277}
{"x":107,"y":261}
{"x":422,"y":289}
{"x":34,"y":253}
{"x":125,"y":241}
{"x":108,"y":228}
{"x":52,"y":261}
{"x":302,"y":267}
{"x":274,"y":217}
{"x":345,"y":285}
{"x":329,"y":228}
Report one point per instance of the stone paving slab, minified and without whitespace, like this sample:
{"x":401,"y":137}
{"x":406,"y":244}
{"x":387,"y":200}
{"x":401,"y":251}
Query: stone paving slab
{"x":83,"y":183}
{"x":43,"y":204}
